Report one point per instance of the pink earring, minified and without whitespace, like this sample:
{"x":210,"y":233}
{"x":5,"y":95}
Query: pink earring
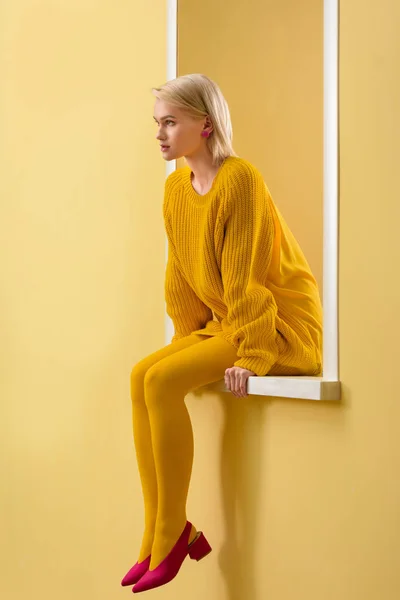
{"x":205,"y":134}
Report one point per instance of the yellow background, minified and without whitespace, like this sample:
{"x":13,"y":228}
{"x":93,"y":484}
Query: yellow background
{"x":299,"y":499}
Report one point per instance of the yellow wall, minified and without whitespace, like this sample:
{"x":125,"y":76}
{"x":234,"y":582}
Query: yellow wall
{"x":82,"y":260}
{"x":300,"y":499}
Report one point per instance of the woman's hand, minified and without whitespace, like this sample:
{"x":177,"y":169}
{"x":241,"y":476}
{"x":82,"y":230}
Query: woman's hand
{"x":236,"y":380}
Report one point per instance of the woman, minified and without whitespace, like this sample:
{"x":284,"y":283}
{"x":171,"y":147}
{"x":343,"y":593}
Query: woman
{"x":242,"y":299}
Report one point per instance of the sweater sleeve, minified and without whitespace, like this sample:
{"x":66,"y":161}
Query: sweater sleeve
{"x":245,"y":260}
{"x":187,"y":311}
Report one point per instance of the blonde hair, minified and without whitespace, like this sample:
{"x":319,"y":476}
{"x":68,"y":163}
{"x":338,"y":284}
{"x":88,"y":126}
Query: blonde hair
{"x":199,"y":96}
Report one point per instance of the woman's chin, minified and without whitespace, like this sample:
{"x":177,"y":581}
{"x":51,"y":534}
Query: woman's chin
{"x":169,"y":155}
{"x":166,"y":155}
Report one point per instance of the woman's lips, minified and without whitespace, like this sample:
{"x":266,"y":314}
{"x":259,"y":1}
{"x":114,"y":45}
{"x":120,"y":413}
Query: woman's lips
{"x":164,"y":148}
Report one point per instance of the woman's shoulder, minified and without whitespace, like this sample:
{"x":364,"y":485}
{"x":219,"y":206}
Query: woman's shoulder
{"x":175,"y":178}
{"x":239,"y":170}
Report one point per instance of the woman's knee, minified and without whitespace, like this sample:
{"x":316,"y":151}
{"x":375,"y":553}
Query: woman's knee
{"x":138,"y":374}
{"x":157,"y":382}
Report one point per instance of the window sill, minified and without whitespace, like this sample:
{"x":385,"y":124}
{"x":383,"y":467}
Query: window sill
{"x":305,"y":388}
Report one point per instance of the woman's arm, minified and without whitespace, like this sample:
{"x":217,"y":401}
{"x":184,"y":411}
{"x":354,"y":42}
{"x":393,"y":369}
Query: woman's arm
{"x":246,"y":256}
{"x":184,"y":307}
{"x":187,"y":311}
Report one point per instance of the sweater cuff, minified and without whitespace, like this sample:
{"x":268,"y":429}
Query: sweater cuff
{"x":258,"y":365}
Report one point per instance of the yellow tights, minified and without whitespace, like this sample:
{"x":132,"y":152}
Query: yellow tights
{"x":163,"y":432}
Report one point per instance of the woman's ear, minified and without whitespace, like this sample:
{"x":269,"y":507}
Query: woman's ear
{"x":208,"y":125}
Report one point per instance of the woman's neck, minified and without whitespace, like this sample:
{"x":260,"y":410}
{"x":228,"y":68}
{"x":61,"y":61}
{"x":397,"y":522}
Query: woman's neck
{"x":203,"y":171}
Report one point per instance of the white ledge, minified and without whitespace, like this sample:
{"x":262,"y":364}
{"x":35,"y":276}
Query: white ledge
{"x":306,"y":388}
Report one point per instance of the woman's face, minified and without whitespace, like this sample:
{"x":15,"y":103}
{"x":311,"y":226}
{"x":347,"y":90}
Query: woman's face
{"x":177,"y":133}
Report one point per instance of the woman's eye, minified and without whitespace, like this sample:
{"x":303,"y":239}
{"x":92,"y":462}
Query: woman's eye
{"x":167,"y":122}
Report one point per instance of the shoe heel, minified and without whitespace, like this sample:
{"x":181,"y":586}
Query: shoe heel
{"x":199,"y":548}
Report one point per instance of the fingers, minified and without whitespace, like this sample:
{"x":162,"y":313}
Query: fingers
{"x":236,"y":382}
{"x":229,"y":382}
{"x":237,"y":379}
{"x":241,"y":384}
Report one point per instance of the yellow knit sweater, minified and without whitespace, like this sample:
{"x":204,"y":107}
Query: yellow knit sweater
{"x":235,"y":270}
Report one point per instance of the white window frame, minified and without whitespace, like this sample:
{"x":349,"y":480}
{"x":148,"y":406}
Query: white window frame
{"x":326,"y":387}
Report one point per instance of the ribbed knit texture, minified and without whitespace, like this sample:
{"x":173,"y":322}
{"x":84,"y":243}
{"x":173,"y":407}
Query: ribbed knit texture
{"x":235,"y":270}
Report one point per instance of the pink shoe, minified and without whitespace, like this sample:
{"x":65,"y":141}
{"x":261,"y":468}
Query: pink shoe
{"x":137,"y":571}
{"x":169,"y":567}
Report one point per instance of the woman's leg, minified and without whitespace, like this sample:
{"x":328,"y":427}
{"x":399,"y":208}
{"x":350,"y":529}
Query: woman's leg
{"x":142,"y":436}
{"x":166,"y":384}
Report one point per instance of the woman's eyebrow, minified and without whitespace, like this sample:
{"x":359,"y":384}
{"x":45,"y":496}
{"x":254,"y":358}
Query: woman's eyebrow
{"x":166,"y":117}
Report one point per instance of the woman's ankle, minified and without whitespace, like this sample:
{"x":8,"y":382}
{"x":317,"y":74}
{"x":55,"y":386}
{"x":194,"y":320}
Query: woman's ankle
{"x":165,"y":540}
{"x":147,"y":544}
{"x":193,"y":534}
